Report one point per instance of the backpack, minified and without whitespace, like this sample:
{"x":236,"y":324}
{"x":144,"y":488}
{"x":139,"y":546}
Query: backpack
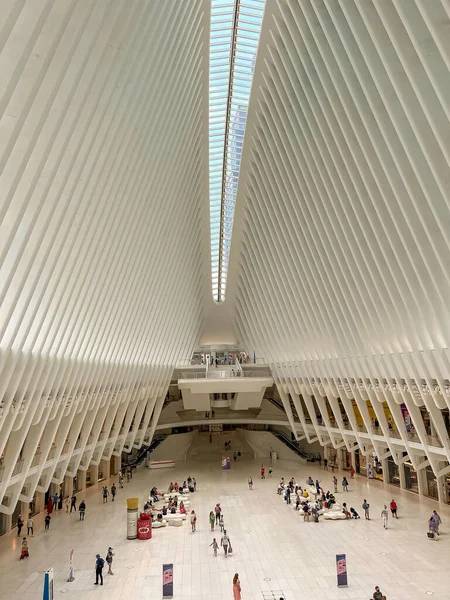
{"x":100,"y":563}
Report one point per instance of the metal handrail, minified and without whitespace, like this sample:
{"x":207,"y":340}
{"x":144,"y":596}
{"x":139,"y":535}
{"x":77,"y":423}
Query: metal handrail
{"x":217,"y":374}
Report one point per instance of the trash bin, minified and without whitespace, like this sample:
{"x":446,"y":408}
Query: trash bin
{"x":144,"y":527}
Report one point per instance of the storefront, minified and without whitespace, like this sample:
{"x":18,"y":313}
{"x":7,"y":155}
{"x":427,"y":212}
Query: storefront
{"x":431,"y":487}
{"x":89,"y":477}
{"x":393,"y":472}
{"x":16,"y":513}
{"x":76,"y":483}
{"x":102,"y":475}
{"x":362,"y":464}
{"x":411,"y":482}
{"x":345,"y":459}
{"x":377,"y":468}
{"x":3,"y":523}
{"x":33,"y":506}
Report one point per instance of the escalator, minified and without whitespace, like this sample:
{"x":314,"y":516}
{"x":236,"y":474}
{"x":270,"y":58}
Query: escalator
{"x":279,"y":404}
{"x":293,"y":445}
{"x":141,"y":456}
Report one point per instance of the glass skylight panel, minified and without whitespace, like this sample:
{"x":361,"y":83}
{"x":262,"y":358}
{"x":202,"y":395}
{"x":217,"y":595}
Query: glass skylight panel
{"x":235,"y":31}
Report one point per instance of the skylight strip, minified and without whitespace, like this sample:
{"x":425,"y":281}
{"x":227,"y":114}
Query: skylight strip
{"x":235,"y":30}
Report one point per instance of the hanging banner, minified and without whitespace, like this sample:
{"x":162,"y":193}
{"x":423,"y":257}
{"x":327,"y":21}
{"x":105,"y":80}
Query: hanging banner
{"x":168,"y":581}
{"x":406,"y":417}
{"x":341,"y":570}
{"x":71,"y":577}
{"x":48,"y":585}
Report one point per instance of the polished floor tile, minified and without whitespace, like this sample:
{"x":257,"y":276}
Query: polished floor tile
{"x":273,"y":549}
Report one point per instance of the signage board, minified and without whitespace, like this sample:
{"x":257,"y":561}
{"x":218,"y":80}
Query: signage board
{"x":168,"y":580}
{"x":341,"y":570}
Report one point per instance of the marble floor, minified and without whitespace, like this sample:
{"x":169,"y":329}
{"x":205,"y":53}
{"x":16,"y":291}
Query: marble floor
{"x":274,"y":550}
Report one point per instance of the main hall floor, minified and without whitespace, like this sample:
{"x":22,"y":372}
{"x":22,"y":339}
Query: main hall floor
{"x":275,"y":553}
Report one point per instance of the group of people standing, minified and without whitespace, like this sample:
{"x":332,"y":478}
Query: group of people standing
{"x":216,"y":518}
{"x":100,"y":563}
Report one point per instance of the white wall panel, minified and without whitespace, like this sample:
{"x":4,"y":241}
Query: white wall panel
{"x":103,"y":216}
{"x":340,"y":265}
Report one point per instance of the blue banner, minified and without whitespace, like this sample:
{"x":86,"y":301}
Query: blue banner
{"x":341,"y":570}
{"x":168,"y":581}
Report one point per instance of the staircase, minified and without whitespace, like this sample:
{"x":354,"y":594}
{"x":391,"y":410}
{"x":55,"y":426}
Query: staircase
{"x":202,"y":449}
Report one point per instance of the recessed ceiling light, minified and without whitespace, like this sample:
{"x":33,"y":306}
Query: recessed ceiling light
{"x":430,"y":593}
{"x":383,"y":553}
{"x":268,"y":579}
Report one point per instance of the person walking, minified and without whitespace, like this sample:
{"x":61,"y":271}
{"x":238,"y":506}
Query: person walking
{"x":55,"y":501}
{"x":366,"y":507}
{"x":436,"y":519}
{"x":344,"y":484}
{"x":82,"y":510}
{"x":24,"y":549}
{"x":60,"y":501}
{"x":235,"y":456}
{"x":47,"y":522}
{"x":109,"y":560}
{"x":236,"y":587}
{"x":49,"y":506}
{"x":121,"y":480}
{"x":193,"y":521}
{"x":217,"y":511}
{"x":212,"y":520}
{"x":19,"y":524}
{"x":215,"y":546}
{"x":30,"y":528}
{"x":194,"y":483}
{"x":221,"y":523}
{"x":99,"y":564}
{"x":250,"y":483}
{"x":73,"y":504}
{"x":385,"y":516}
{"x":393,"y":507}
{"x":113,"y":491}
{"x":225,"y":542}
{"x":105,"y":494}
{"x":270,"y":471}
{"x":263,"y":471}
{"x":335,"y":483}
{"x":325,"y":464}
{"x":352,"y":472}
{"x":67,"y":504}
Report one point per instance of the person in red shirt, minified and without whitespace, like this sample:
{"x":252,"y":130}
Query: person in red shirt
{"x":263,"y":472}
{"x":393,"y":507}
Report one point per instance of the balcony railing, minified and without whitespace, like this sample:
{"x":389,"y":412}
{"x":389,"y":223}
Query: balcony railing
{"x":218,"y":374}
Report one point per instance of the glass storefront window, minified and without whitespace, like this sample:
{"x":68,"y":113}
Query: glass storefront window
{"x":411,"y":482}
{"x":89,"y":481}
{"x":393,"y":472}
{"x":432,"y":487}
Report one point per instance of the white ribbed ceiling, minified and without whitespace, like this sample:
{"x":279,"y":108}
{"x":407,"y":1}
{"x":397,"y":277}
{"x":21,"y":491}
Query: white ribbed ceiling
{"x":339,"y":272}
{"x":342,"y":269}
{"x":103,"y":180}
